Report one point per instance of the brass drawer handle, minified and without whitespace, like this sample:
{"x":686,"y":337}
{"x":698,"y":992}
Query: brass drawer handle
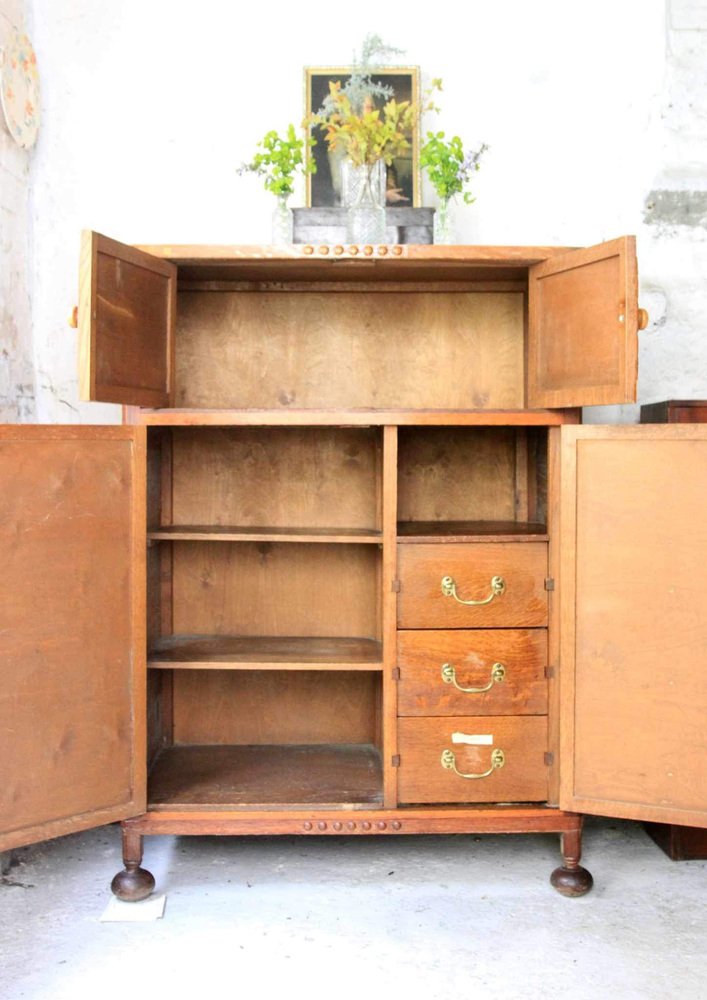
{"x":449,"y":589}
{"x":449,"y":763}
{"x":449,"y":676}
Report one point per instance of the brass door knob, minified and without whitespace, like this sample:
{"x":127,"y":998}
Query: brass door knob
{"x":642,"y":319}
{"x":74,"y":317}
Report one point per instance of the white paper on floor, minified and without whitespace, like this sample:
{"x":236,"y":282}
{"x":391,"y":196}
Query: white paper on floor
{"x":146,"y":909}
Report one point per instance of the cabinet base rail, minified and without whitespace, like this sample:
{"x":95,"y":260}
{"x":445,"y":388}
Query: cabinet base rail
{"x":570,"y":879}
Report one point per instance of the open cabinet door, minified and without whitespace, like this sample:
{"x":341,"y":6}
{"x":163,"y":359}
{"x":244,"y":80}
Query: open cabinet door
{"x":72,"y":629}
{"x":127,"y":302}
{"x":582,"y":327}
{"x":633,"y":593}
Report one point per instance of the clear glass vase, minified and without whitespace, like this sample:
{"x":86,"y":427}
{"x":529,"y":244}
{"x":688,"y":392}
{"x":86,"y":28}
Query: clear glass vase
{"x":443,"y":226}
{"x":282,"y":221}
{"x":363,"y":195}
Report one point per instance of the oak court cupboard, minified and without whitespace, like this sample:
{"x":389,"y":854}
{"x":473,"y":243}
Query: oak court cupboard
{"x":351,"y":565}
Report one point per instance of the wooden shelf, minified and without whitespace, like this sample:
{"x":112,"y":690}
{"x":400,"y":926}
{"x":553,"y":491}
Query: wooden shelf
{"x":331,"y":776}
{"x":247,"y":533}
{"x":470,"y":531}
{"x":235,"y":652}
{"x":352,"y":417}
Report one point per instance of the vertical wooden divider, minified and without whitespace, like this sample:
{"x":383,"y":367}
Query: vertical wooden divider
{"x":553,"y":636}
{"x":389,"y":604}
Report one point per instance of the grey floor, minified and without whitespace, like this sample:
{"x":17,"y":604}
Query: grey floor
{"x":417,"y":918}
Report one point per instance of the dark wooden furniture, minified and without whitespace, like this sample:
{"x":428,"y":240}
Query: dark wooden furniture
{"x":681,"y":843}
{"x":351,"y":566}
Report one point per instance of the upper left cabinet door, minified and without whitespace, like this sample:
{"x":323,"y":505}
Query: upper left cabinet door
{"x":127,"y":303}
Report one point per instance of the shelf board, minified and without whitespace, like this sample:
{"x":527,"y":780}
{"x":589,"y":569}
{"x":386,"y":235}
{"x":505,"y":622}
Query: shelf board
{"x":329,"y":776}
{"x":248,"y":533}
{"x":353,"y":417}
{"x":236,"y":652}
{"x":470,"y":531}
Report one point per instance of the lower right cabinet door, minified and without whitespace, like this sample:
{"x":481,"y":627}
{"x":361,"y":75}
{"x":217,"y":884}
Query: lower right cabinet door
{"x":633,"y":611}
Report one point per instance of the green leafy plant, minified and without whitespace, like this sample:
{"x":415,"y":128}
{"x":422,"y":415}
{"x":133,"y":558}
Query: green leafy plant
{"x":448,"y":166}
{"x":282,"y":157}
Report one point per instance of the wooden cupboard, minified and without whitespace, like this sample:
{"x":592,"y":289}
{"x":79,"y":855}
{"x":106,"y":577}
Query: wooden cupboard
{"x":350,"y":565}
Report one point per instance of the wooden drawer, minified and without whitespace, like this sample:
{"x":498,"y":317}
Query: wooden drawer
{"x":434,"y":665}
{"x":522,"y":777}
{"x":521,"y":565}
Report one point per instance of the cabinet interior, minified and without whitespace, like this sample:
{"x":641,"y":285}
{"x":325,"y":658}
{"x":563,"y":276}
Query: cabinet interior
{"x":471,"y":481}
{"x":265,"y":594}
{"x":247,"y":341}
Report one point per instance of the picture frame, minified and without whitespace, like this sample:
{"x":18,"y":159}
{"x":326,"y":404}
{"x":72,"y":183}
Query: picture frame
{"x":323,"y":187}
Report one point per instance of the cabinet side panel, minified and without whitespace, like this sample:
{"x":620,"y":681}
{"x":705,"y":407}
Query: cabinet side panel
{"x":72,"y":659}
{"x":640,"y":649}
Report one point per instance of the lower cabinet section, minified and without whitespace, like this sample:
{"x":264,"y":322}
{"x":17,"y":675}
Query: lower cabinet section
{"x":472,"y":759}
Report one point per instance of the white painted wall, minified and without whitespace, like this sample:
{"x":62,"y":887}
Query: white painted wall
{"x":149,"y":106}
{"x":16,"y":369}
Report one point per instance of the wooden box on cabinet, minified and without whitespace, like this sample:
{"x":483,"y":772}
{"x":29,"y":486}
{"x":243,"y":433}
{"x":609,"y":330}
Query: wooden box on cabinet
{"x":351,"y":566}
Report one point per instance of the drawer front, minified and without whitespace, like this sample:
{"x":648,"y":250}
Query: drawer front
{"x":484,"y":671}
{"x":472,"y":567}
{"x":472,"y":740}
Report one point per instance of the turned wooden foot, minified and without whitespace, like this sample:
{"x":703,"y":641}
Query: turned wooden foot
{"x":570,"y":879}
{"x":133,"y":883}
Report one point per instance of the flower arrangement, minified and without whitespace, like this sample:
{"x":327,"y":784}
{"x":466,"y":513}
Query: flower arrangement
{"x":365,"y":135}
{"x":282,"y":157}
{"x":448,"y":166}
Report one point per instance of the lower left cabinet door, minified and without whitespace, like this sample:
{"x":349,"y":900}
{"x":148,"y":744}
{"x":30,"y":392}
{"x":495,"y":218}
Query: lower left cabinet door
{"x":72,"y":629}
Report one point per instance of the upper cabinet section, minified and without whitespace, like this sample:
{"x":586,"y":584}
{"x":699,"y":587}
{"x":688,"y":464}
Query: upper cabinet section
{"x":383,"y":330}
{"x":583,"y":323}
{"x":127,"y":302}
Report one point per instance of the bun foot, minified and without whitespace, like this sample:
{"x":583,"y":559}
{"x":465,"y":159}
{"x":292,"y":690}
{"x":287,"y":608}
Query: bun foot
{"x":132,"y":884}
{"x":572,"y":881}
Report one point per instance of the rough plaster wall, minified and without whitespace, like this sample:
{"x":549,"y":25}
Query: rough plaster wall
{"x":589,"y":109}
{"x":16,"y":368}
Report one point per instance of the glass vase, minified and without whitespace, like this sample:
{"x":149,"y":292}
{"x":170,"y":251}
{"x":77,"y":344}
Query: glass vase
{"x":282,"y":221}
{"x":443,"y":226}
{"x":363,"y":195}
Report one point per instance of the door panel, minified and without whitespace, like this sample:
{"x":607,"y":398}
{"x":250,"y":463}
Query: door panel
{"x":72,"y":633}
{"x":127,"y":301}
{"x":634,"y":622}
{"x":583,"y":327}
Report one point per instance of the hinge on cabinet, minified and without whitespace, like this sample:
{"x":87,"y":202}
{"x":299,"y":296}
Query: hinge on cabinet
{"x":549,"y":759}
{"x":549,"y":672}
{"x":549,"y":583}
{"x":396,"y":673}
{"x":395,"y":586}
{"x":395,"y":760}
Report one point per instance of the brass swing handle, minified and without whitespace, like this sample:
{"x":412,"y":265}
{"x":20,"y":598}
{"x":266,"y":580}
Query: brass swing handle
{"x":449,"y":589}
{"x":449,"y":763}
{"x":449,"y":676}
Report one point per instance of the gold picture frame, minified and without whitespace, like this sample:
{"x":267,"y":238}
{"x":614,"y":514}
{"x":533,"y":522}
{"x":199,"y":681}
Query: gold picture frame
{"x":323,"y":187}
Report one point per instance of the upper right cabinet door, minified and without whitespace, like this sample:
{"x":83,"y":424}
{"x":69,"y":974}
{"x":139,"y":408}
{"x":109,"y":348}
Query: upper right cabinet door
{"x":583,"y":327}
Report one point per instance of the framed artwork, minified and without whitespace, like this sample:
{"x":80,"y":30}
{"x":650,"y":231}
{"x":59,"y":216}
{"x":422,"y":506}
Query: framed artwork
{"x":403,"y":179}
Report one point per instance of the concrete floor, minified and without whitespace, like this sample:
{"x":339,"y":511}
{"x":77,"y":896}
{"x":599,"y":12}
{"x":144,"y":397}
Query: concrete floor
{"x":418,"y":918}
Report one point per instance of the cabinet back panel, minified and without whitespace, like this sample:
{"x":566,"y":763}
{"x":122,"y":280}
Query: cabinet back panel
{"x":273,"y":707}
{"x":277,"y":589}
{"x":458,"y":350}
{"x":280,"y":477}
